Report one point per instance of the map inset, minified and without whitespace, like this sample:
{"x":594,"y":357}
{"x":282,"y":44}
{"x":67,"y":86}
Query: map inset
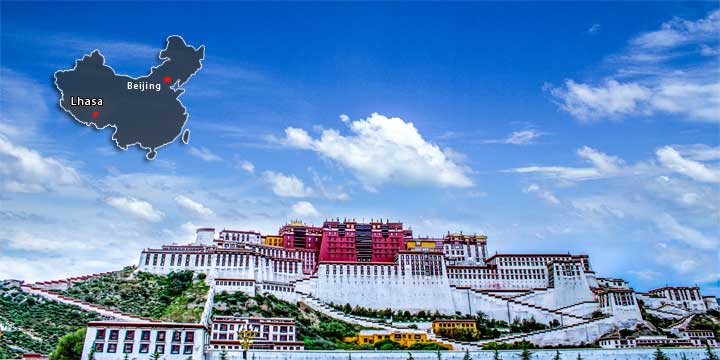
{"x":145,"y":111}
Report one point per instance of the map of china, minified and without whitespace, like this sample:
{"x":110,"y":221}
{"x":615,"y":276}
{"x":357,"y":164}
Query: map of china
{"x":144,"y":111}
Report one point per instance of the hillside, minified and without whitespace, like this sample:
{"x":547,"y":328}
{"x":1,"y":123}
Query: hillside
{"x":179,"y":296}
{"x":35,"y":324}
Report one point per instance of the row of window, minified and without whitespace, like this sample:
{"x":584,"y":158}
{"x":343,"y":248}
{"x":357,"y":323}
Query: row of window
{"x":534,"y":261}
{"x":113,"y":335}
{"x":143,"y":348}
{"x":234,"y":283}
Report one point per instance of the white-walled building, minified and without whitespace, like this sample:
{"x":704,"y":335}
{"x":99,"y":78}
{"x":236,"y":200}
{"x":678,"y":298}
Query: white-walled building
{"x":111,"y":340}
{"x":453,"y":274}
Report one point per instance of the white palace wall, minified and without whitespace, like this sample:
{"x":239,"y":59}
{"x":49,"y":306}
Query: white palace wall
{"x":379,"y":287}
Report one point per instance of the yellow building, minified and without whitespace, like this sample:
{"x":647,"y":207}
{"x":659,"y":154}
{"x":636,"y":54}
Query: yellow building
{"x":424,"y":243}
{"x":370,"y":337}
{"x":452,"y":325}
{"x":273,"y":240}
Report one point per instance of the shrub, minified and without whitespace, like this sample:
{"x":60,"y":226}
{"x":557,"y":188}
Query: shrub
{"x":70,"y":346}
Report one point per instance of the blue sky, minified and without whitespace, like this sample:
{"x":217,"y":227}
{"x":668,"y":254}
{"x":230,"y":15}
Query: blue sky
{"x":590,"y":128}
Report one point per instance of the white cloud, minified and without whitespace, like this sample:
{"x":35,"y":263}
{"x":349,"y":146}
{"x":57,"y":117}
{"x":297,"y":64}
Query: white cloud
{"x":608,"y":100}
{"x":698,"y":152}
{"x":382,"y":150}
{"x":603,"y":166}
{"x":645,"y":274}
{"x":23,"y":104}
{"x":23,"y":240}
{"x":686,"y":260}
{"x":327,"y":191}
{"x":138,"y":208}
{"x":594,"y":29}
{"x":247,"y":166}
{"x":646,"y":82}
{"x":677,"y":32}
{"x":523,"y":137}
{"x":674,"y":161}
{"x":304,"y":209}
{"x":691,"y":196}
{"x":670,"y":226}
{"x":27,"y":171}
{"x":287,"y":185}
{"x":543,"y":194}
{"x":204,"y":154}
{"x":193,"y":205}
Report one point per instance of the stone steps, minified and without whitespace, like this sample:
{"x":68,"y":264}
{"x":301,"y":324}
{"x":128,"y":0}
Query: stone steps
{"x":519,"y":337}
{"x":547,"y":311}
{"x":53,"y":296}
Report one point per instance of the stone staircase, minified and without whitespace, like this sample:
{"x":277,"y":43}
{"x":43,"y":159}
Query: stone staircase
{"x":576,"y":304}
{"x":682,"y":323}
{"x":68,"y":282}
{"x":524,"y":336}
{"x":103,"y":311}
{"x":551,"y":312}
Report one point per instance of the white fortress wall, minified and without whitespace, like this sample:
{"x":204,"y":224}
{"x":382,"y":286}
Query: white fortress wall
{"x":381,"y":286}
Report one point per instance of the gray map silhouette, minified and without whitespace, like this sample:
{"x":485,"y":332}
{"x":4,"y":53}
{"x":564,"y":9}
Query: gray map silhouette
{"x":151,"y":118}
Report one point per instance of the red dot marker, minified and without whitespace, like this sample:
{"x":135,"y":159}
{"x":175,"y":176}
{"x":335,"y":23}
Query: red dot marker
{"x":167,"y":79}
{"x":95,"y":114}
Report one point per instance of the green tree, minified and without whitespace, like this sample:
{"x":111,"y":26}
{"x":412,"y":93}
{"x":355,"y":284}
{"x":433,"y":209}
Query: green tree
{"x":223,"y":355}
{"x":467,"y":355}
{"x":70,"y":346}
{"x":659,"y":355}
{"x":410,"y":357}
{"x":155,"y":356}
{"x":557,"y":355}
{"x":579,"y":357}
{"x":683,"y":357}
{"x":496,"y":355}
{"x":710,"y":354}
{"x":125,"y":357}
{"x":525,"y":354}
{"x":439,"y":355}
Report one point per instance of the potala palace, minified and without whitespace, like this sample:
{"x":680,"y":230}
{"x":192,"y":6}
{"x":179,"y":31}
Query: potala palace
{"x":380,"y":265}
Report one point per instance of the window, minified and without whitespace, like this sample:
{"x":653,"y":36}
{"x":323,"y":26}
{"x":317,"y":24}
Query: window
{"x":160,"y":336}
{"x":189,"y":336}
{"x":144,"y":348}
{"x":128,"y":348}
{"x":99,"y":347}
{"x":112,"y":348}
{"x":114,"y":334}
{"x":145,"y":335}
{"x":160,"y":349}
{"x":100,"y":335}
{"x":187,"y":349}
{"x":176,"y":336}
{"x":129,"y":335}
{"x":175,"y":349}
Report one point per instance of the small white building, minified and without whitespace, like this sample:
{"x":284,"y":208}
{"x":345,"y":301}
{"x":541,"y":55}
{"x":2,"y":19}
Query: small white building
{"x":111,"y":340}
